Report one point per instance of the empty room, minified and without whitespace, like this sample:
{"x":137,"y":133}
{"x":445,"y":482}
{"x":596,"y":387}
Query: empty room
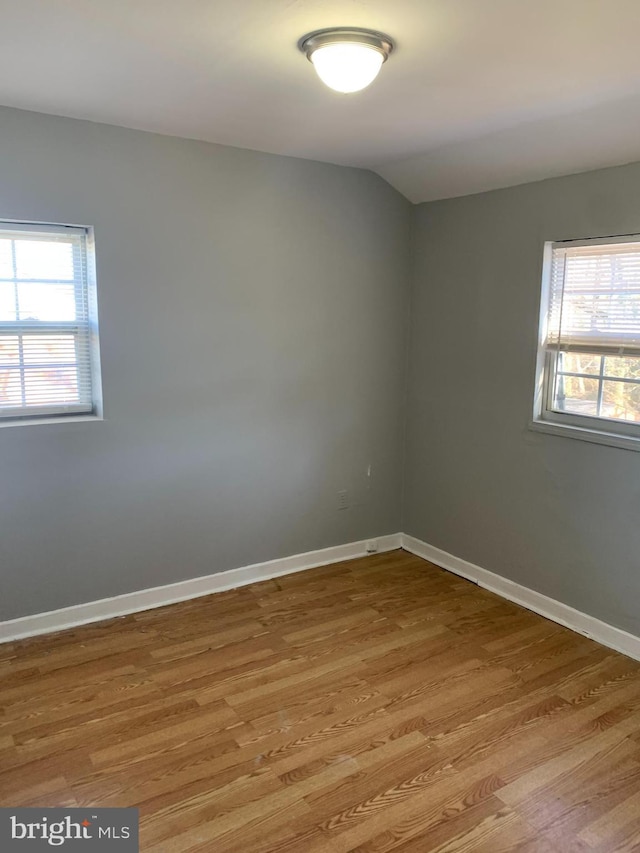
{"x":319,"y":426}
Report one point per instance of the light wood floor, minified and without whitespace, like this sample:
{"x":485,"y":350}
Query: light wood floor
{"x":378,"y":704}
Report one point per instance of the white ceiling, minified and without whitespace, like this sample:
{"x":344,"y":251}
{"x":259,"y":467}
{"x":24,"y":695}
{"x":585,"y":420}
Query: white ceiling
{"x":478,"y":93}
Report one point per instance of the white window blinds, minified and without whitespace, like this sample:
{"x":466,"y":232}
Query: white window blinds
{"x":594,"y":301}
{"x":47,"y":322}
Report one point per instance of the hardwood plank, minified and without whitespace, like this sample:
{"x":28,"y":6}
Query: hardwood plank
{"x":374,"y":705}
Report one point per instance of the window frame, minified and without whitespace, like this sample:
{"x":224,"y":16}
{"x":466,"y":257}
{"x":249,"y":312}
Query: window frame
{"x":70,"y":412}
{"x":592,"y":428}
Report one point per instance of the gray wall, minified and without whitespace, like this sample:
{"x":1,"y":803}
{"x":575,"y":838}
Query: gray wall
{"x":253,"y":331}
{"x":252,"y":319}
{"x":558,"y":515}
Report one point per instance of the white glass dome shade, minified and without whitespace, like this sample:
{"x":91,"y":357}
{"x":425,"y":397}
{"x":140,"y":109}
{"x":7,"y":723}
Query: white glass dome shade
{"x":347,"y":60}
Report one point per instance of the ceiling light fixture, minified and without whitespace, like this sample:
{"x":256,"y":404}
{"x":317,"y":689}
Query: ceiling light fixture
{"x":346,"y":59}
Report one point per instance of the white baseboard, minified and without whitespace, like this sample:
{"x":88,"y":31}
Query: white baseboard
{"x":147,"y":599}
{"x":159,"y":596}
{"x":589,"y":626}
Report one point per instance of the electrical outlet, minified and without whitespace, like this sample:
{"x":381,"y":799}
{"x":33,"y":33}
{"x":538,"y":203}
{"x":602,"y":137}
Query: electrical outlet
{"x":343,"y":500}
{"x":372,"y":546}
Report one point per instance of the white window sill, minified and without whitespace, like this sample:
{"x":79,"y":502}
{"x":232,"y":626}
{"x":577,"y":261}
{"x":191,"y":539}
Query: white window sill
{"x":625,"y":442}
{"x":60,"y":419}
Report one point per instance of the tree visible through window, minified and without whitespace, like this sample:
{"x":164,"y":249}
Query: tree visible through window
{"x":600,"y":386}
{"x":589,"y":357}
{"x":48,"y":331}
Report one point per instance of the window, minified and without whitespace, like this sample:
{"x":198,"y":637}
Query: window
{"x":48,"y":323}
{"x":589,"y":354}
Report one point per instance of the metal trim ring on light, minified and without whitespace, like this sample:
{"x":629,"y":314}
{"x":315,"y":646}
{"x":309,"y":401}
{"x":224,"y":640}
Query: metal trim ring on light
{"x":351,"y":35}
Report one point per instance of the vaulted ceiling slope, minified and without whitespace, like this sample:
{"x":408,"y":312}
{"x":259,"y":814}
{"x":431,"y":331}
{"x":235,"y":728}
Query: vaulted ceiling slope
{"x":478,"y":93}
